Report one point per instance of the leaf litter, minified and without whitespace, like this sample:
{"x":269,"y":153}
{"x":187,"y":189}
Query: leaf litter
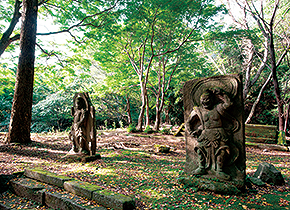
{"x":130,"y":166}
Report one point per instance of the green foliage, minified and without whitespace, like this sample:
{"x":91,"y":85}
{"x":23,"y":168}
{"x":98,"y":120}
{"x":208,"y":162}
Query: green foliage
{"x":131,"y":128}
{"x":104,"y":60}
{"x":165,"y":130}
{"x":52,"y":113}
{"x":148,"y":129}
{"x":7,"y":80}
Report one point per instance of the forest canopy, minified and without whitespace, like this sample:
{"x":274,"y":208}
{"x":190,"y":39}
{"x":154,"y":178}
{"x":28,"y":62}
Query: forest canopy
{"x":133,"y":57}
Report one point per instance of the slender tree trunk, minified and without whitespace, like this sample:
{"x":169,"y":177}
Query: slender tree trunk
{"x":20,"y":121}
{"x":143,"y":106}
{"x":258,"y":99}
{"x":167,"y":119}
{"x":157,"y":117}
{"x":158,"y":120}
{"x":128,"y":110}
{"x":276,"y":83}
{"x":147,"y":119}
{"x":287,"y":118}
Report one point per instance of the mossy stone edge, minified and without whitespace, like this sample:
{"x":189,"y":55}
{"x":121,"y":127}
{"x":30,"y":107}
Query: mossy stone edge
{"x":107,"y":198}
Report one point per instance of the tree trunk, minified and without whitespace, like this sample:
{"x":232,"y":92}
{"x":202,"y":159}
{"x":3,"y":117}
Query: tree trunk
{"x":167,"y":119}
{"x":20,"y":121}
{"x":258,"y":99}
{"x":147,"y":119}
{"x":287,"y":118}
{"x":157,"y":117}
{"x":128,"y":110}
{"x":159,"y":108}
{"x":143,"y":106}
{"x":276,"y":83}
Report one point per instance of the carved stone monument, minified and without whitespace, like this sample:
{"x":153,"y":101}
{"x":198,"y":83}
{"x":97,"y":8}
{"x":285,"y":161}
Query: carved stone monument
{"x":83,"y":131}
{"x":215,"y":142}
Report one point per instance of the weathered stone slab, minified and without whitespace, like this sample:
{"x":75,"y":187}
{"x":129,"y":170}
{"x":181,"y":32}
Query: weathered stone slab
{"x":29,"y":189}
{"x":47,"y":177}
{"x":202,"y":183}
{"x":256,"y":181}
{"x":215,"y":132}
{"x":9,"y":200}
{"x":113,"y":200}
{"x":269,"y":174}
{"x":66,"y":201}
{"x":264,"y":131}
{"x":4,"y":180}
{"x":81,"y":188}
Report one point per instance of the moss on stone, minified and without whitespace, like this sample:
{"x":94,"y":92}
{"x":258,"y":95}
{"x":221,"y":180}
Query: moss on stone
{"x":47,"y":173}
{"x":85,"y":185}
{"x":208,"y":184}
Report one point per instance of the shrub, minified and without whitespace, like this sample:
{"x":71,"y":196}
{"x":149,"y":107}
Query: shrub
{"x":131,"y":128}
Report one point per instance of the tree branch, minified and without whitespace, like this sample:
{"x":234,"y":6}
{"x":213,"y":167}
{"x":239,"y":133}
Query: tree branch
{"x":5,"y":39}
{"x":50,"y":54}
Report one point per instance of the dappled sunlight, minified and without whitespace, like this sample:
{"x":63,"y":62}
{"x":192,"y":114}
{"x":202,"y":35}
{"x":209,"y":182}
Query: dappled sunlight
{"x":106,"y":172}
{"x":150,"y":177}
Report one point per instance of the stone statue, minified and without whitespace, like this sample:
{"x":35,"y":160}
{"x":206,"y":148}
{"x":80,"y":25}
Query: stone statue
{"x":212,"y":138}
{"x":214,"y":122}
{"x":83,"y":131}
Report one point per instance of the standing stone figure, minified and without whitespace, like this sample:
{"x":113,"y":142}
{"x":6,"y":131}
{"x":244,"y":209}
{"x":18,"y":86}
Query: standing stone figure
{"x":212,"y":138}
{"x":83,"y":132}
{"x":215,"y":143}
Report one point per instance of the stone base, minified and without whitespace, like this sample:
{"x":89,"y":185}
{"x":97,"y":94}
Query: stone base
{"x":82,"y":158}
{"x":211,"y":184}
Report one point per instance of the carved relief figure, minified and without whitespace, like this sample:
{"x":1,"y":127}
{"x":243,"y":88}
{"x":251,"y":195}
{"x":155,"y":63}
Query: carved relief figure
{"x":205,"y":123}
{"x":83,"y":131}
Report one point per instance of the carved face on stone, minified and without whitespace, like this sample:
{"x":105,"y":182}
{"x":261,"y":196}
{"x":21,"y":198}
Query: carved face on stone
{"x":80,"y":103}
{"x":206,"y":100}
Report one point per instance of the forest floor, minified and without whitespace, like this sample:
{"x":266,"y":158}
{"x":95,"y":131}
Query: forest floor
{"x":130,"y":166}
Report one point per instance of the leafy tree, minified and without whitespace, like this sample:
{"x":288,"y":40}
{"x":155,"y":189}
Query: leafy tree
{"x":71,"y":15}
{"x":274,"y":27}
{"x":147,"y":32}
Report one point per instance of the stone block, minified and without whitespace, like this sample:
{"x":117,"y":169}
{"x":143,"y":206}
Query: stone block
{"x":205,"y":184}
{"x":113,"y":200}
{"x":81,"y":188}
{"x":65,"y":201}
{"x":29,"y":189}
{"x":269,"y":174}
{"x":10,"y":201}
{"x":256,"y":181}
{"x":47,"y":177}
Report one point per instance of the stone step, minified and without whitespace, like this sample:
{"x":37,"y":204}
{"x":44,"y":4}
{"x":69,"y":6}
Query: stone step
{"x":9,"y":201}
{"x":53,"y":197}
{"x":46,"y":177}
{"x":106,"y":198}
